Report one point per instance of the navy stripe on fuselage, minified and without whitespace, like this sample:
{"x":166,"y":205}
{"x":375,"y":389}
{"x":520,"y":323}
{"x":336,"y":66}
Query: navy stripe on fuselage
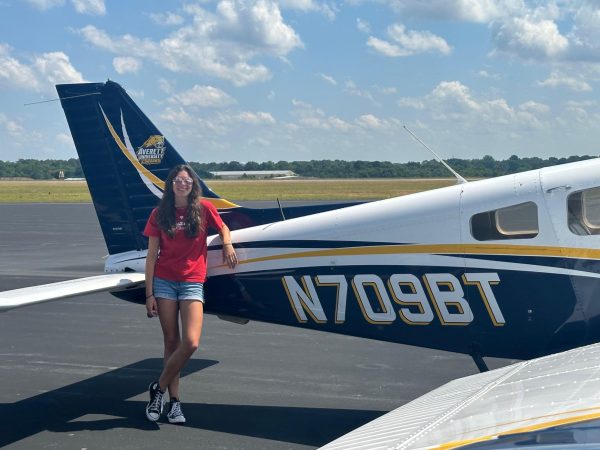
{"x":549,"y":261}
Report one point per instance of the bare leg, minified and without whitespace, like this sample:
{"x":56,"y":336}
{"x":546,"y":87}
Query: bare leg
{"x":168,"y":313}
{"x":192,"y":312}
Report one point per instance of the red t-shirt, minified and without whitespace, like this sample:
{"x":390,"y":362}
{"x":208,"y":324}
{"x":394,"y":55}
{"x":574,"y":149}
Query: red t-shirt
{"x":181,"y":258}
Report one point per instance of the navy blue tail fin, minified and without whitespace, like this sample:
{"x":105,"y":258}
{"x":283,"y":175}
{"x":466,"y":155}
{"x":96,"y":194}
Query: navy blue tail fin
{"x":124,"y":157}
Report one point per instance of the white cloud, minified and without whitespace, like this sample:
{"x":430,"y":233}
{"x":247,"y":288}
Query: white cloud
{"x":65,"y":140}
{"x":534,"y":107}
{"x":126,"y":64}
{"x":167,"y":86}
{"x":328,"y":10}
{"x":195,"y":126}
{"x":168,"y":18}
{"x":585,"y":35}
{"x":369,"y":121}
{"x":40,"y":75}
{"x":566,"y":31}
{"x":328,"y":78}
{"x":530,"y":38}
{"x":556,"y":80}
{"x":479,"y":11}
{"x":55,"y":68}
{"x":222,"y":44}
{"x":363,"y":26}
{"x":22,"y":137}
{"x":453,"y":101}
{"x":300,"y":105}
{"x":526,"y":29}
{"x":203,"y":96}
{"x":410,"y":102}
{"x":15,"y":74}
{"x":331,"y":123}
{"x":44,"y":5}
{"x":126,"y":44}
{"x":258,"y":25}
{"x":13,"y":128}
{"x":384,"y":47}
{"x":136,"y":94}
{"x":93,"y":7}
{"x":312,"y":117}
{"x":388,"y":90}
{"x":485,"y":74}
{"x":339,"y":124}
{"x":581,"y":104}
{"x":408,"y":42}
{"x":353,"y":89}
{"x":580,"y":112}
{"x":177,"y":116}
{"x":258,"y":118}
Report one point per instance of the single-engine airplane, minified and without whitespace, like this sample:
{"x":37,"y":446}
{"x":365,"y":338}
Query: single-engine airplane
{"x":506,"y":267}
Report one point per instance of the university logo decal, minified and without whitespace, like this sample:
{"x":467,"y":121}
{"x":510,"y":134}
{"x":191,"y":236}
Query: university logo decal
{"x":152,"y":150}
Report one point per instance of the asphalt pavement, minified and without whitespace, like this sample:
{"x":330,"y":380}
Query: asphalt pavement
{"x":75,"y":372}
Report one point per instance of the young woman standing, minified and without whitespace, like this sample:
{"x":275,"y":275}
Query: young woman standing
{"x":175,"y":273}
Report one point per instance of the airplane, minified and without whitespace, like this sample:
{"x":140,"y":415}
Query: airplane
{"x":507,"y":267}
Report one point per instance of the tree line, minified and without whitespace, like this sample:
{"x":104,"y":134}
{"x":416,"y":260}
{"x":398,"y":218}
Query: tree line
{"x":474,"y":168}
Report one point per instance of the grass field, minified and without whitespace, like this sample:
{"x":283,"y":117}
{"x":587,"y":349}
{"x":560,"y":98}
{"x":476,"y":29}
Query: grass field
{"x":236,"y":190}
{"x":44,"y":192}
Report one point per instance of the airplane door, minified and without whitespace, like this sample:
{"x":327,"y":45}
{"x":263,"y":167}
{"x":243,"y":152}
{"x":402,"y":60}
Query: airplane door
{"x":506,"y":299}
{"x":564,"y":202}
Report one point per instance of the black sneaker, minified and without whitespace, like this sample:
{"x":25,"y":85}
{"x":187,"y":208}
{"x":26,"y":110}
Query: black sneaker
{"x":175,"y":415}
{"x":155,"y":407}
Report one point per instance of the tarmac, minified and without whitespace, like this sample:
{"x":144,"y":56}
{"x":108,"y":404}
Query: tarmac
{"x":75,"y":372}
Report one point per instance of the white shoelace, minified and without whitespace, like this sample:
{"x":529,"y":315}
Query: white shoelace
{"x":175,"y":410}
{"x":156,"y":401}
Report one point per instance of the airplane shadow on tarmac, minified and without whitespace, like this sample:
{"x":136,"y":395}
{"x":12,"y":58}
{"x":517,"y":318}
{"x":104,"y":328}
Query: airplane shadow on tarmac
{"x":107,"y":394}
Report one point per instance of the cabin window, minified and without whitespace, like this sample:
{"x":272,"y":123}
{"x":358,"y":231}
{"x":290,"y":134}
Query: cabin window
{"x":513,"y":222}
{"x":584,"y":212}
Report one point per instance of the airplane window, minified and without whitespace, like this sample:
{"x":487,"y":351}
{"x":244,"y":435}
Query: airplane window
{"x":584,"y":212}
{"x":518,"y":219}
{"x":513,"y":222}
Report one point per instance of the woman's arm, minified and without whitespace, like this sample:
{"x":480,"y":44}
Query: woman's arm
{"x":229,"y":255}
{"x":151,"y":305}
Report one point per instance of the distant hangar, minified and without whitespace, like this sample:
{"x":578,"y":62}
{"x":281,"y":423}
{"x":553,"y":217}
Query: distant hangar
{"x":258,"y":174}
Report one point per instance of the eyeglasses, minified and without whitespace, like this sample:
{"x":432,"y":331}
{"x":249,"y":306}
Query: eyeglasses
{"x":181,"y":180}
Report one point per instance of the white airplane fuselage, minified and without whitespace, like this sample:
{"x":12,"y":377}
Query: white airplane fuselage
{"x":424,"y":270}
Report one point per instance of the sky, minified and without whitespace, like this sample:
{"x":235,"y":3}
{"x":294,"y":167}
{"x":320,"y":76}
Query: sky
{"x":291,"y":80}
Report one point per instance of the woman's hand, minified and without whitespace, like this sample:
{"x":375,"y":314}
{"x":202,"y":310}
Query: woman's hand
{"x":151,"y":307}
{"x":229,"y":256}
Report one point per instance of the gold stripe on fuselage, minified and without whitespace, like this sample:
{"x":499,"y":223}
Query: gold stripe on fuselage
{"x":440,"y":249}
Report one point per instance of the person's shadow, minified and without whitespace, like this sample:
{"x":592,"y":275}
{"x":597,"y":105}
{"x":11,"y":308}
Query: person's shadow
{"x":107,"y":394}
{"x":103,"y":394}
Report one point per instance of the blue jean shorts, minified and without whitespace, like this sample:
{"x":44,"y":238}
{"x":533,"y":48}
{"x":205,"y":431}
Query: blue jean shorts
{"x":177,"y":290}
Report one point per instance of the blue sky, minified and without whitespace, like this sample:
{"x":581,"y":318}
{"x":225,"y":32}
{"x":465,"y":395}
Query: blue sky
{"x":306,"y":79}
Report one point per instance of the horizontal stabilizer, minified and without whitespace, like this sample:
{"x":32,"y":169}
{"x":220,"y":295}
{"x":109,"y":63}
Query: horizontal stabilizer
{"x":528,"y":401}
{"x":70,"y":288}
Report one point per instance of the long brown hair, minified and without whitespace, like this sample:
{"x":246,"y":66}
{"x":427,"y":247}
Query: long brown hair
{"x":165,"y":216}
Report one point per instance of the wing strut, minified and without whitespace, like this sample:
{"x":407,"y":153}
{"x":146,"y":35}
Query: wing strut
{"x":479,"y":362}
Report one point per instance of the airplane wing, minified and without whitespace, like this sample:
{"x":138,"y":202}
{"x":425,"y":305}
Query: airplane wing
{"x":553,"y":400}
{"x":70,"y":288}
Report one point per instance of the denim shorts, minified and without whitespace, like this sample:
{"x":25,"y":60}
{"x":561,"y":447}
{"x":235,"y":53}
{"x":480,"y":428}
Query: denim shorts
{"x":177,"y":290}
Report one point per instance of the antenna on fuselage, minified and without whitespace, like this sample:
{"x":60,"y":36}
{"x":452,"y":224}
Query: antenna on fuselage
{"x":280,"y":209}
{"x":459,"y":178}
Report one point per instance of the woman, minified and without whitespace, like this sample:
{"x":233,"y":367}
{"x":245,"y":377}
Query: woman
{"x":175,"y":273}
